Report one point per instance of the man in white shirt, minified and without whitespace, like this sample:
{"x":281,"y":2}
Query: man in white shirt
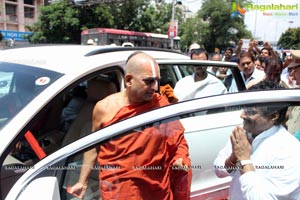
{"x":248,"y":71}
{"x":262,"y":156}
{"x":200,"y":83}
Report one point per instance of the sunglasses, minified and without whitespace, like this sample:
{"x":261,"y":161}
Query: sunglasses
{"x":151,"y":80}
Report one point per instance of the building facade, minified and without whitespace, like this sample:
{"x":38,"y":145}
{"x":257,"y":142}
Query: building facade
{"x":16,"y":15}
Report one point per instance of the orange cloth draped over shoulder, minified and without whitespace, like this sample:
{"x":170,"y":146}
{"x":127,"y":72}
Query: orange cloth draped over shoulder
{"x":168,"y":92}
{"x":139,"y":165}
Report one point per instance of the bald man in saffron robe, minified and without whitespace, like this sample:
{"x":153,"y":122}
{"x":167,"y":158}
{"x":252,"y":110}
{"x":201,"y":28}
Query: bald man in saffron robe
{"x":150,"y":163}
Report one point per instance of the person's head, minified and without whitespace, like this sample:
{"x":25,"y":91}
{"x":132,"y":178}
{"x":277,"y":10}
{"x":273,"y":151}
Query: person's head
{"x":264,"y":52}
{"x":273,"y":69}
{"x":294,"y":71}
{"x":223,"y":70}
{"x":228,"y":53}
{"x":284,"y":55}
{"x":199,"y":54}
{"x":142,"y":75}
{"x":246,"y":64}
{"x":294,"y":66}
{"x":260,"y":63}
{"x":234,"y":59}
{"x":260,"y":118}
{"x":194,"y":46}
{"x":215,"y":57}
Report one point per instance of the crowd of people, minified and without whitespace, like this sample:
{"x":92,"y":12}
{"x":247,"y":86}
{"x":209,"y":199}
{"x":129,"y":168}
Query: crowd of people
{"x":255,"y":66}
{"x":261,"y":66}
{"x":260,"y":142}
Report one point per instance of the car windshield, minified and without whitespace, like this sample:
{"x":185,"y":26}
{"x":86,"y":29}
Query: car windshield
{"x":19,"y":84}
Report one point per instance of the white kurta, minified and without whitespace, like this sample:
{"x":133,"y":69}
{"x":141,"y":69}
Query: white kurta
{"x":186,"y":88}
{"x":275,"y":155}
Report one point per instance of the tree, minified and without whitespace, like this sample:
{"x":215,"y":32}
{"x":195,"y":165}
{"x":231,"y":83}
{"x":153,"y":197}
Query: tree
{"x":290,"y":39}
{"x":126,"y":14}
{"x":54,"y":26}
{"x":95,"y":16}
{"x":57,"y":23}
{"x":156,"y":18}
{"x":192,"y":30}
{"x":216,"y":15}
{"x":61,"y":22}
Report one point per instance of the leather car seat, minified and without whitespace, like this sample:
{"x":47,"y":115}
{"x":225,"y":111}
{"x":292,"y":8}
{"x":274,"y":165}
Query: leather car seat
{"x":97,"y":90}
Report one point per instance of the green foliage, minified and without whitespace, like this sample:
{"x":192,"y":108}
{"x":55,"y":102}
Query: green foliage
{"x":125,"y":15}
{"x":290,"y":39}
{"x":213,"y":22}
{"x":60,"y":22}
{"x":95,"y":16}
{"x":63,"y":23}
{"x":193,"y":30}
{"x":57,"y":23}
{"x":156,"y":19}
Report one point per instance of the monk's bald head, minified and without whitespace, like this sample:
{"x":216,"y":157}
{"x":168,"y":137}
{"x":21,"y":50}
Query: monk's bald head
{"x":141,"y":78}
{"x":138,"y":62}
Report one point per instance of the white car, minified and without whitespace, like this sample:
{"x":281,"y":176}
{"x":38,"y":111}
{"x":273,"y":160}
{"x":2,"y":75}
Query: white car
{"x":42,"y":151}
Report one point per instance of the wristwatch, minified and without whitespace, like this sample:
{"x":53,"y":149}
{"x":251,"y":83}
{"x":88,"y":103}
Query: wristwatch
{"x":240,"y":164}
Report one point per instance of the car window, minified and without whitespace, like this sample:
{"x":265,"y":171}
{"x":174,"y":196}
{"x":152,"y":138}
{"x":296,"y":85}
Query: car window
{"x":168,"y":75}
{"x":227,"y":79}
{"x":228,"y":76}
{"x":186,"y":70}
{"x":19,"y":84}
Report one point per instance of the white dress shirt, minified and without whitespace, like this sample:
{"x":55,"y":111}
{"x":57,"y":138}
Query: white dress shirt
{"x":186,"y":88}
{"x":256,"y":76}
{"x":275,"y":156}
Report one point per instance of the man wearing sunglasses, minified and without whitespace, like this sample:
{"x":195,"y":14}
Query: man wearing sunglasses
{"x":143,"y":160}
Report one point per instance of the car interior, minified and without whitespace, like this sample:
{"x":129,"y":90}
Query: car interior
{"x":51,"y":130}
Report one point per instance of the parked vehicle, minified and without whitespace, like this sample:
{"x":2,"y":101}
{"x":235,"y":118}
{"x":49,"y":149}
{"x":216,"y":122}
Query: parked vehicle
{"x":41,"y":81}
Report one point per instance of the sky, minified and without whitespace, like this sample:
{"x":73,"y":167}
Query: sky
{"x":264,"y":25}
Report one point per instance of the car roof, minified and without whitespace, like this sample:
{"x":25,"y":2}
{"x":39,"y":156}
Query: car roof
{"x":71,"y":58}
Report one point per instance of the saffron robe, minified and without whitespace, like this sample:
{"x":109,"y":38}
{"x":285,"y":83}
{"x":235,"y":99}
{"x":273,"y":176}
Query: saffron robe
{"x":139,"y":165}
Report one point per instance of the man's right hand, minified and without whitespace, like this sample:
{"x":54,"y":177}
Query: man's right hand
{"x":78,"y":190}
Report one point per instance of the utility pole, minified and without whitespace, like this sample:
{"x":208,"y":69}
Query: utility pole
{"x":172,"y":23}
